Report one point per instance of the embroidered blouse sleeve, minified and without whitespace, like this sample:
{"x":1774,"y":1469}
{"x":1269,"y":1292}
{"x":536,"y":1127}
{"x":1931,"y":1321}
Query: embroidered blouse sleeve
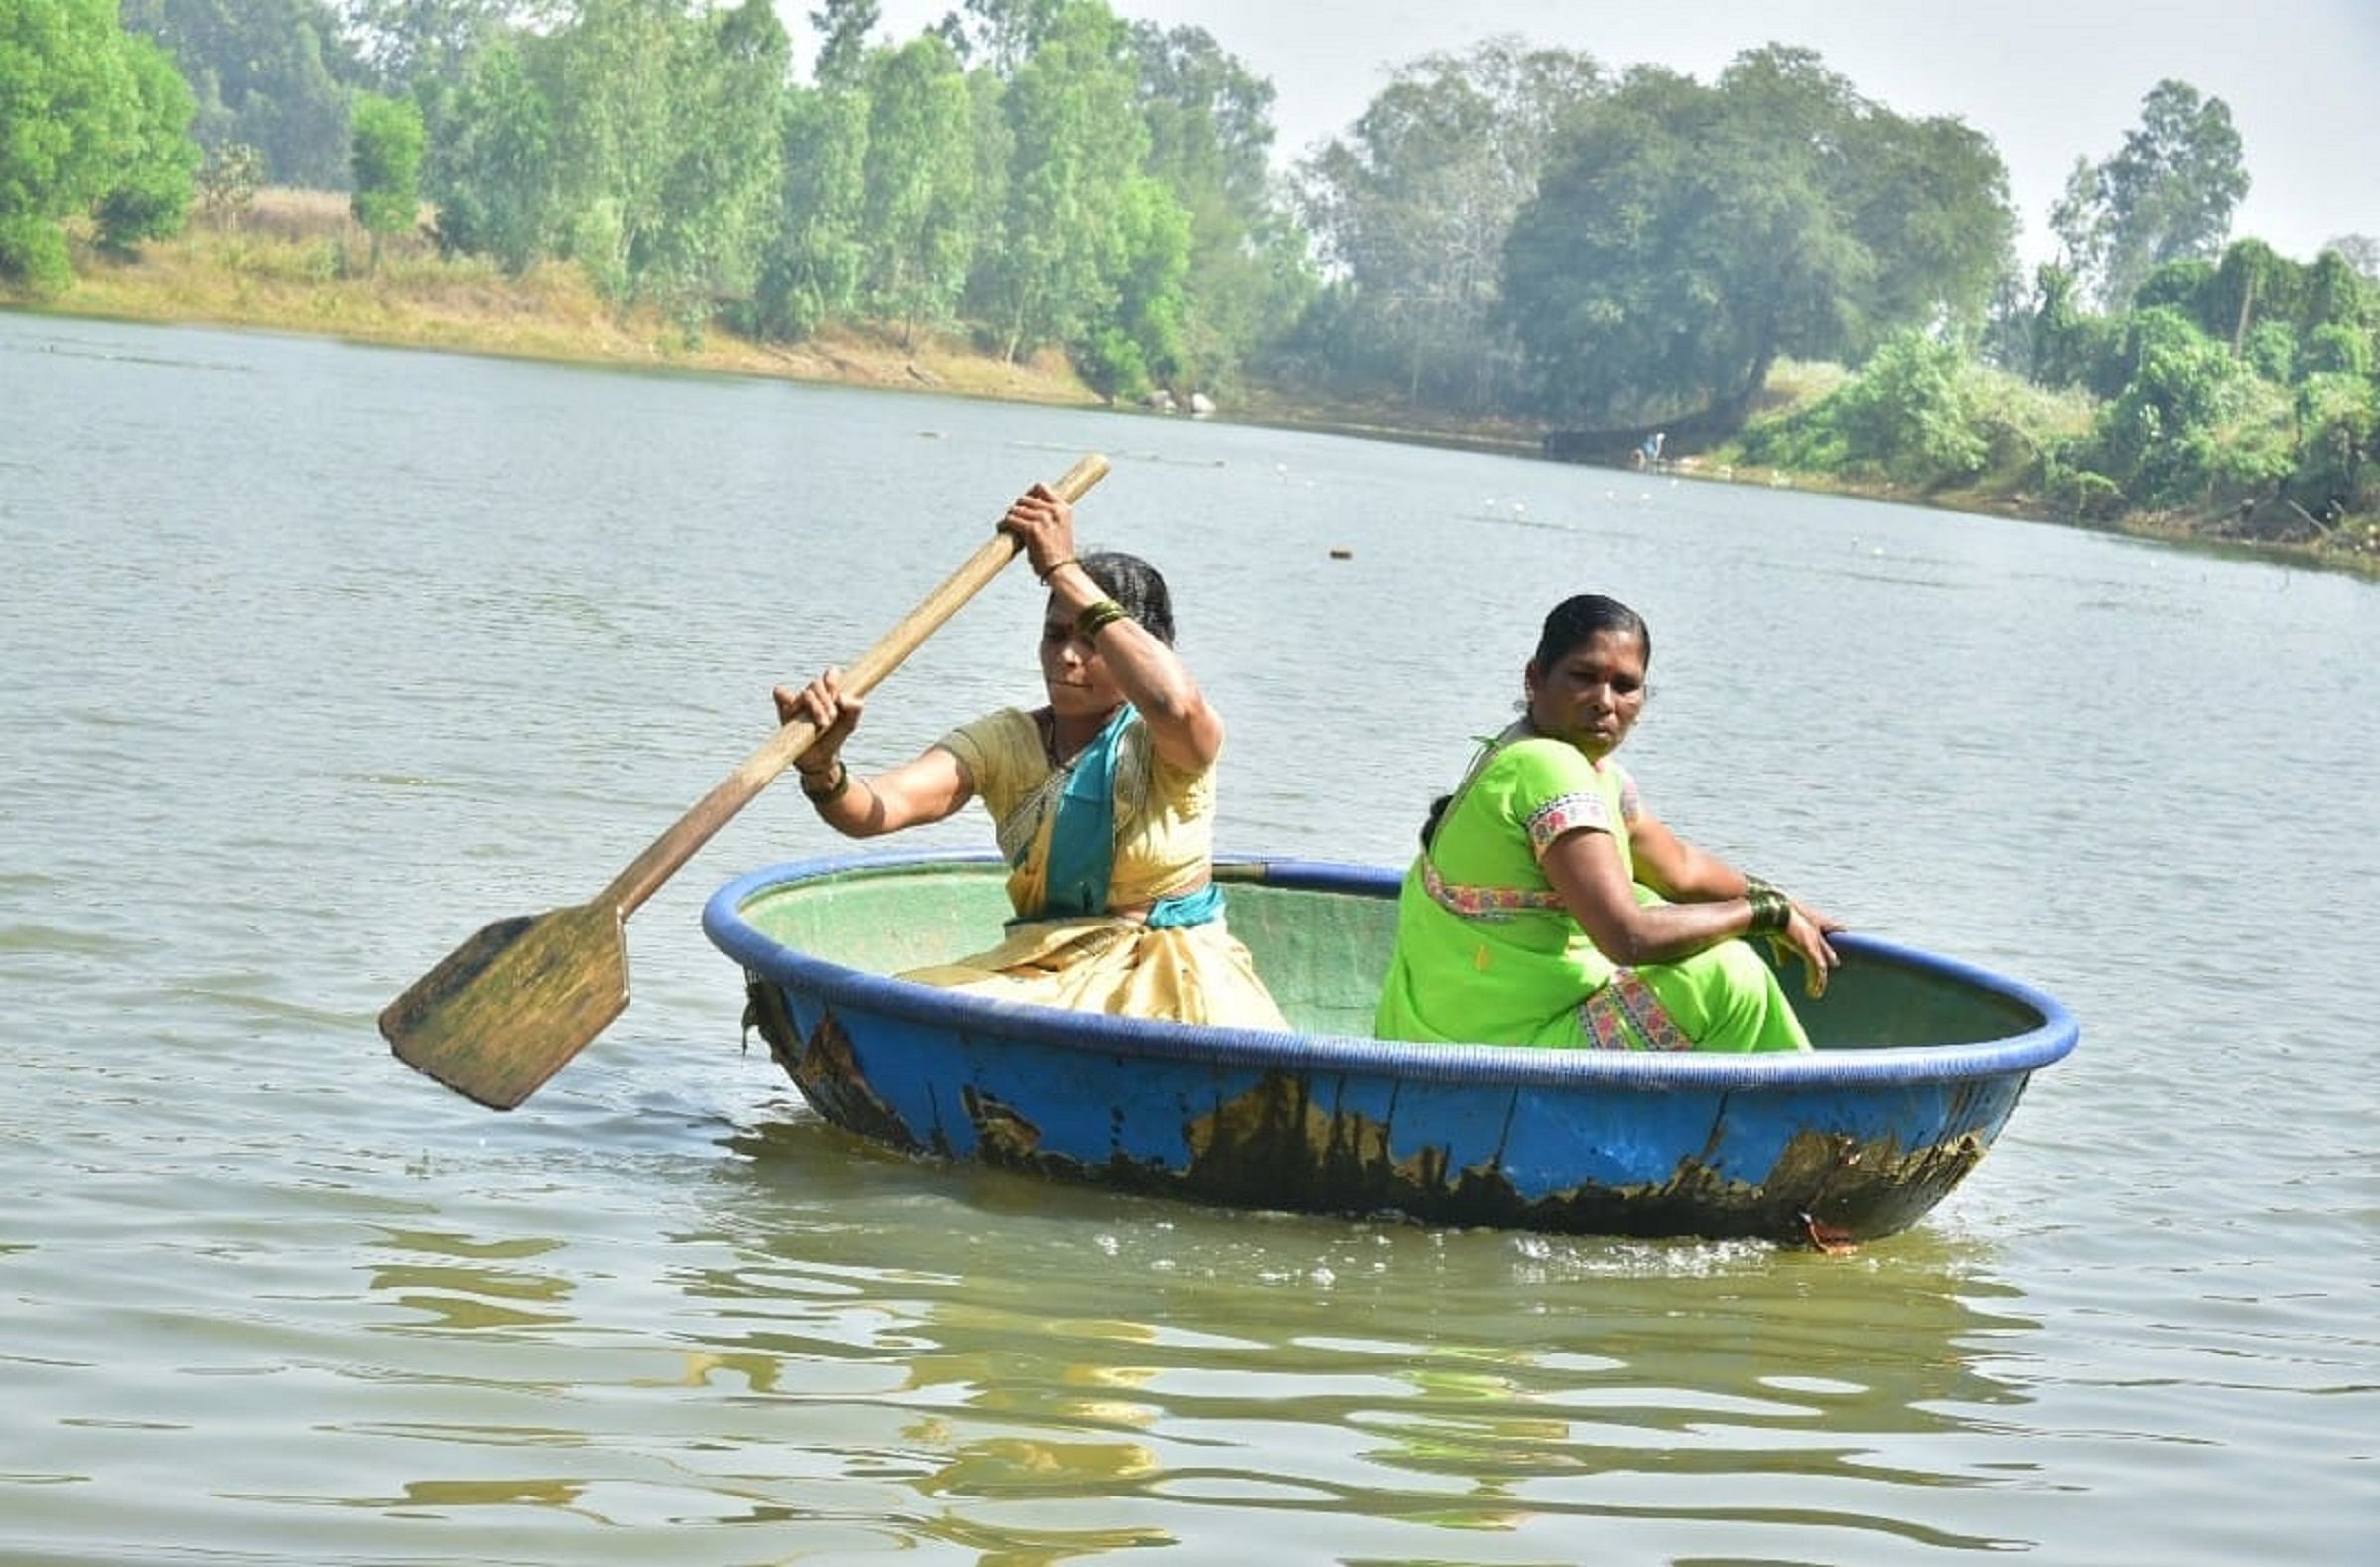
{"x":1556,"y":793}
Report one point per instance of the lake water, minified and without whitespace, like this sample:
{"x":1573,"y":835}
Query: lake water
{"x":315,"y":657}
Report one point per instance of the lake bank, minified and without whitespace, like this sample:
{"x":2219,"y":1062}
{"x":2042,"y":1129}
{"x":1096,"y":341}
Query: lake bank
{"x":2353,"y":548}
{"x":298,"y":263}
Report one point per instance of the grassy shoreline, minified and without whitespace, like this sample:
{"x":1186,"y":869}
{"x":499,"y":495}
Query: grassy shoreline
{"x":298,"y":263}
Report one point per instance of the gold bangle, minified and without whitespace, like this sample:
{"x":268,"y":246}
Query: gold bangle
{"x":1057,"y":566}
{"x":833,"y":791}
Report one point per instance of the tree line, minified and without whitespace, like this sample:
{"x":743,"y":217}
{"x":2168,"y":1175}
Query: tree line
{"x":1507,"y":232}
{"x":2154,"y":366}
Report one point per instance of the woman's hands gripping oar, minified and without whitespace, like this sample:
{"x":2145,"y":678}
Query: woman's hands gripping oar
{"x":505,"y":1010}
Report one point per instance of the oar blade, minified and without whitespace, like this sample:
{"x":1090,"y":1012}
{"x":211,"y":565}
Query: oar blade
{"x":504,"y":1011}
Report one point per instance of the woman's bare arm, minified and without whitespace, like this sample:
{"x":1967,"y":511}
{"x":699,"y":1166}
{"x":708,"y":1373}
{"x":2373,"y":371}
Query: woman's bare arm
{"x":928,"y":787}
{"x":1586,"y":872}
{"x":1182,"y":728}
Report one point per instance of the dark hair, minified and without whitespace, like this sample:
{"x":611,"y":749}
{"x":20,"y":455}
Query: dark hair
{"x":1438,"y":810}
{"x":1581,"y":616}
{"x":1135,"y":584}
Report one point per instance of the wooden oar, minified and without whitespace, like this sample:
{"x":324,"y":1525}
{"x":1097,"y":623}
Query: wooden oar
{"x":505,"y":1010}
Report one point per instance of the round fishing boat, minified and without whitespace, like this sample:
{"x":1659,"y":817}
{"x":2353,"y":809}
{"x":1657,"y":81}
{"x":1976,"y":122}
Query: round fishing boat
{"x":1919,"y":1060}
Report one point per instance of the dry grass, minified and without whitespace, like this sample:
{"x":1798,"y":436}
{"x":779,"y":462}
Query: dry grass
{"x":286,"y":212}
{"x":1797,"y":384}
{"x":298,"y":261}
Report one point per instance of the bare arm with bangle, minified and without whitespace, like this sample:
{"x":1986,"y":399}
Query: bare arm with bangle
{"x":1182,"y":728}
{"x":1710,"y":901}
{"x":1092,"y":652}
{"x":928,"y":787}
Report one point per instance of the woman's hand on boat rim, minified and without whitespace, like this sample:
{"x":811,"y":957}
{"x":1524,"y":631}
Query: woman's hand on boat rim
{"x":1806,"y":934}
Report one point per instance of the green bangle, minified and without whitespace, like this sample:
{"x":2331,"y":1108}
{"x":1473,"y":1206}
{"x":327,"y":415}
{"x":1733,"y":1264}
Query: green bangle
{"x":833,"y":791}
{"x":1096,"y":616}
{"x":1771,"y":909}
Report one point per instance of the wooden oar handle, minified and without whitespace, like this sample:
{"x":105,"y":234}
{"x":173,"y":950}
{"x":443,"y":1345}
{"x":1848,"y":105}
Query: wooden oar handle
{"x":673,"y":848}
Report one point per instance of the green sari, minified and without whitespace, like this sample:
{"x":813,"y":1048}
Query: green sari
{"x":1486,"y":951}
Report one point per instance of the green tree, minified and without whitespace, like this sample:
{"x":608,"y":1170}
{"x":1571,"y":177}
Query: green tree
{"x":918,"y":183}
{"x":1909,"y":414}
{"x":495,"y":180}
{"x":2272,"y":351}
{"x":2250,"y":286}
{"x":387,"y":163}
{"x":811,"y":266}
{"x":150,"y":196}
{"x":2336,"y":294}
{"x":1931,"y":207}
{"x":1415,"y":210}
{"x":2167,"y":195}
{"x":616,"y":66}
{"x":2160,"y":439}
{"x":2338,"y":417}
{"x":995,"y":143}
{"x":2253,"y":291}
{"x":843,"y":27}
{"x":1687,"y":237}
{"x":2360,"y":251}
{"x":273,"y":73}
{"x":1005,"y":32}
{"x":2337,"y":350}
{"x":1078,"y":145}
{"x":1210,"y":136}
{"x":75,"y":123}
{"x":716,"y":200}
{"x":1138,"y":340}
{"x":2068,"y":343}
{"x":401,"y":42}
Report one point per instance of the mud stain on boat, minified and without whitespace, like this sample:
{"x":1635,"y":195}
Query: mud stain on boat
{"x":1283,"y":1136}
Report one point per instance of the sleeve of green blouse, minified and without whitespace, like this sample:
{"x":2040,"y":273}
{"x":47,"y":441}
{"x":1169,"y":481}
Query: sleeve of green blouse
{"x":1555,"y":791}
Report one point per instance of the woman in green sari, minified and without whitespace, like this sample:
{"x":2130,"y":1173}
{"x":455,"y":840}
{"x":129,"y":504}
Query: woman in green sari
{"x":1549,"y":906}
{"x":1103,"y":800}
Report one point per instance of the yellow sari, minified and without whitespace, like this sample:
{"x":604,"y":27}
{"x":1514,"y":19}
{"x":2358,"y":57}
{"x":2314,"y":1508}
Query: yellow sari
{"x":1177,"y":959}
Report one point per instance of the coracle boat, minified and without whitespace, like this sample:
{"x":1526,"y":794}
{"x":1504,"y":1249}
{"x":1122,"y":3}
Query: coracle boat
{"x":1919,"y":1060}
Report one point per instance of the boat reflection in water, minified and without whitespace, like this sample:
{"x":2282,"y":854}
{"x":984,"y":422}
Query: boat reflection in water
{"x":1058,"y":1367}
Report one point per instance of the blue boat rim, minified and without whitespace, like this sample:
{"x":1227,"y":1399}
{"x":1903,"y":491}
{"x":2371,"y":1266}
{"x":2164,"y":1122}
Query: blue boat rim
{"x":1520,"y":1065}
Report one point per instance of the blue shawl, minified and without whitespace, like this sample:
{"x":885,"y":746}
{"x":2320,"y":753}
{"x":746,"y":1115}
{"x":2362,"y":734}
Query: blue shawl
{"x":1082,"y":843}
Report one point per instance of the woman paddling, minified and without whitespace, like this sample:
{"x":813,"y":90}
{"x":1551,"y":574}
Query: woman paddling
{"x":1550,"y":907}
{"x":1104,"y":800}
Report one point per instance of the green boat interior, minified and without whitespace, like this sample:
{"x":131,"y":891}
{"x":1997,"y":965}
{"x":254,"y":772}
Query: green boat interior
{"x":1322,"y":954}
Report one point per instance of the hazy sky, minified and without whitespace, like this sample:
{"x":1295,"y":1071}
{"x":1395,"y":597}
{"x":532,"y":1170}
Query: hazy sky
{"x":2048,"y":80}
